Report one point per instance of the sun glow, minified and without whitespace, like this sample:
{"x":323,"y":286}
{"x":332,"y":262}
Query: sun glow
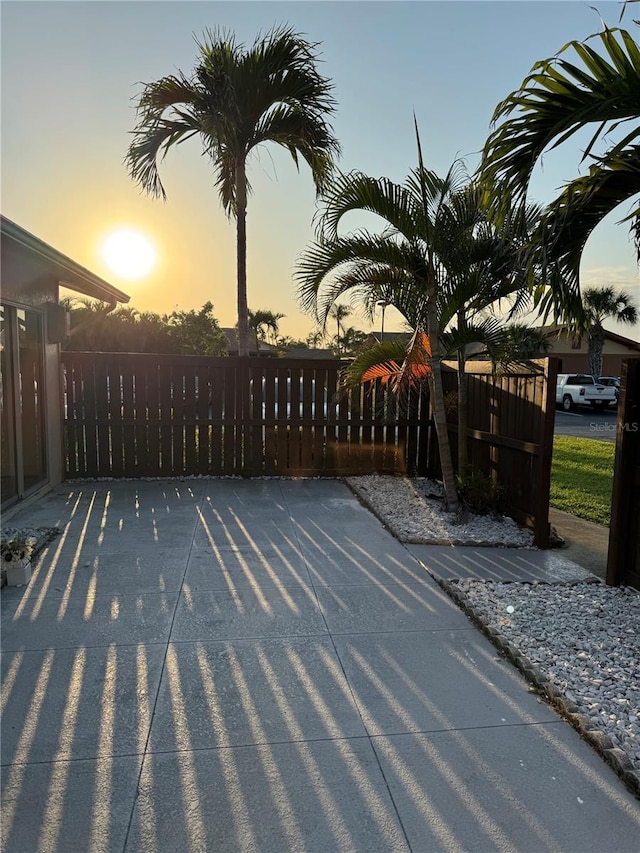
{"x":129,"y":253}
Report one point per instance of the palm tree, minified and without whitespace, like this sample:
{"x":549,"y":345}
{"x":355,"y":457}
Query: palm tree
{"x":556,"y":100}
{"x":265,"y":323}
{"x":351,"y":342}
{"x":314,"y":338}
{"x":600,"y":304}
{"x":400,"y":265}
{"x":518,"y":342}
{"x":339,"y":313}
{"x":444,"y":284}
{"x":235,"y":100}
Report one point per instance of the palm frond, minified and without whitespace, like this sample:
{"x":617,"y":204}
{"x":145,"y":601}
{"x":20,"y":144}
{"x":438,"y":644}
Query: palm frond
{"x":556,"y":100}
{"x":328,"y":269}
{"x":572,"y":217}
{"x":389,"y":352}
{"x":150,"y":144}
{"x":395,"y":204}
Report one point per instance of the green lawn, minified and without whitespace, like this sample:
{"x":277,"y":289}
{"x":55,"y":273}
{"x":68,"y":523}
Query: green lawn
{"x":582,"y":476}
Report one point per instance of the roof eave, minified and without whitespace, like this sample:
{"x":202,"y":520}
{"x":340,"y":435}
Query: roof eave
{"x":81,"y":280}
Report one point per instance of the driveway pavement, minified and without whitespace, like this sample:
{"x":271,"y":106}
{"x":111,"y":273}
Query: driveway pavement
{"x":585,"y":423}
{"x":258,"y":665}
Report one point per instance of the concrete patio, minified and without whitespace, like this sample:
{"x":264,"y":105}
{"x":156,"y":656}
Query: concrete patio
{"x":228,"y":665}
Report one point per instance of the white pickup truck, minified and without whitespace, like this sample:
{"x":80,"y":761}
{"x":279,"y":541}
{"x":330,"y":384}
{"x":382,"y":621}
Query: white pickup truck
{"x":578,"y":389}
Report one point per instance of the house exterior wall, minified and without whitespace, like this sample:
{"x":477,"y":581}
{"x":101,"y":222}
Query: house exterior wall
{"x":29,"y":282}
{"x":575,"y":359}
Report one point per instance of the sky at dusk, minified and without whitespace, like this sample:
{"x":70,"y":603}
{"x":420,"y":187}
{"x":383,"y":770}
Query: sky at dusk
{"x":71,"y":72}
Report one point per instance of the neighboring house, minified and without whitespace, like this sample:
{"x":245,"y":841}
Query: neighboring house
{"x":33,"y":325}
{"x":573,"y":350}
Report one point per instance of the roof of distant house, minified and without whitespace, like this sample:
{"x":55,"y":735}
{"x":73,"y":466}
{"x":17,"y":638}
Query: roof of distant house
{"x":70,"y":274}
{"x":550,"y":331}
{"x":310,"y":352}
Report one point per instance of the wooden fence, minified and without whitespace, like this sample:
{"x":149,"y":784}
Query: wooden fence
{"x":623,"y":565}
{"x":137,"y":415}
{"x":153,"y":415}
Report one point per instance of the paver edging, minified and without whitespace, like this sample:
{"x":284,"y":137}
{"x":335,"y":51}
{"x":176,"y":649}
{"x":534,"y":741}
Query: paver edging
{"x":616,"y":758}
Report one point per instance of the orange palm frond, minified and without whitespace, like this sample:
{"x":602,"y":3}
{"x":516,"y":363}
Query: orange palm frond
{"x":386,"y":372}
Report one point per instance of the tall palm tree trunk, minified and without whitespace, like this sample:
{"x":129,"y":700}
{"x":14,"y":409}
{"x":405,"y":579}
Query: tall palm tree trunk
{"x":596,"y":345}
{"x":244,"y":344}
{"x":463,"y":459}
{"x":439,"y":416}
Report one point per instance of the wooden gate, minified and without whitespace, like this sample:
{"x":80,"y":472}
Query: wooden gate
{"x":623,"y":565}
{"x":510,"y":423}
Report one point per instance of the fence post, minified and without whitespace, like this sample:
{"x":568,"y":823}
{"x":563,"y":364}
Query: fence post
{"x":545,"y":457}
{"x":623,"y":559}
{"x":244,"y":371}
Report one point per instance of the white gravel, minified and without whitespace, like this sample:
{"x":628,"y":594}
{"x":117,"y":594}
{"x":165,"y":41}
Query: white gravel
{"x":585,"y":638}
{"x":413,"y":509}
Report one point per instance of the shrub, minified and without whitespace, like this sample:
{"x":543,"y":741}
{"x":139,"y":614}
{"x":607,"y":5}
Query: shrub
{"x":479,"y":493}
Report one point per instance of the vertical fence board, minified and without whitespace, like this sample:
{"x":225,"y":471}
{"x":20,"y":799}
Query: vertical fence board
{"x":269,"y":417}
{"x":411,"y":433}
{"x":356,"y":461}
{"x":102,"y":416}
{"x":153,"y":416}
{"x":422,"y":414}
{"x":145,"y":465}
{"x":178,"y":418}
{"x":190,"y":407}
{"x":391,"y":437}
{"x":117,"y":466}
{"x":203,"y":427}
{"x":231,"y":463}
{"x":128,"y":418}
{"x":378,"y":430}
{"x":282,"y":417}
{"x":342,"y":418}
{"x":210,"y":415}
{"x":254,"y":461}
{"x":72,"y":428}
{"x":90,"y":420}
{"x":331,"y":430}
{"x":295,"y":438}
{"x":166,"y":422}
{"x":306,"y":449}
{"x":319,"y":420}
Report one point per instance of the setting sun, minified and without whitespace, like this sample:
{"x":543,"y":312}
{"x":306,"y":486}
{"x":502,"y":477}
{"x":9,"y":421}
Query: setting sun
{"x":129,"y":253}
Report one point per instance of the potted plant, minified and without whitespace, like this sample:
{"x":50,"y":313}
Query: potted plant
{"x":16,"y":550}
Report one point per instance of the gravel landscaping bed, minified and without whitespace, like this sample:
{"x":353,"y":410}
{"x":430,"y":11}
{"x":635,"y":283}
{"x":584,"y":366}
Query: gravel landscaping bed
{"x":413,"y":510}
{"x":580,"y":644}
